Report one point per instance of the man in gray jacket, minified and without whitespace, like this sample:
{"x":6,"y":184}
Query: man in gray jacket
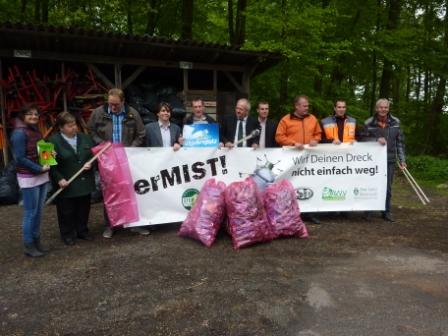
{"x":386,"y":129}
{"x":119,"y":123}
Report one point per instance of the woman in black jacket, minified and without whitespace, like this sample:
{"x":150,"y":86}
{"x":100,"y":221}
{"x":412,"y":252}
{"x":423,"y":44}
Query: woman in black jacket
{"x":73,"y":204}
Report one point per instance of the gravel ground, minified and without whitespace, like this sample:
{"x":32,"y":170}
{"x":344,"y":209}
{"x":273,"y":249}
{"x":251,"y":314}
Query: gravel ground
{"x":350,"y":278}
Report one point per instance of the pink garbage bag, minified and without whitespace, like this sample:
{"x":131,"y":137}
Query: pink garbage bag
{"x":283,"y":211}
{"x":204,"y":219}
{"x":247,"y":223}
{"x":116,"y":184}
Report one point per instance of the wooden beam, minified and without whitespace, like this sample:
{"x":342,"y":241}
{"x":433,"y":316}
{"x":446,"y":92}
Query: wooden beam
{"x":83,"y":58}
{"x":133,"y":77}
{"x":233,"y":81}
{"x":102,"y":76}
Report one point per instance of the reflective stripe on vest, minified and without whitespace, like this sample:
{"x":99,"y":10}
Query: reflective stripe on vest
{"x":331,"y":129}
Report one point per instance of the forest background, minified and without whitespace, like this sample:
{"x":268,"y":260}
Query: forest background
{"x":358,"y":50}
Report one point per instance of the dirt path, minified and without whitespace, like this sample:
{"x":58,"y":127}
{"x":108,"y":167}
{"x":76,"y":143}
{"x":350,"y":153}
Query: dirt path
{"x":352,"y":278}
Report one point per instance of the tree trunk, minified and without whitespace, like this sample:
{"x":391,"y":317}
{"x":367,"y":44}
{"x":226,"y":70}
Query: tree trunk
{"x":44,"y":11}
{"x":419,"y":85}
{"x":392,"y":24}
{"x":151,"y":22}
{"x":23,"y":4}
{"x":435,"y":110}
{"x":284,"y":76}
{"x":426,"y":95}
{"x":374,"y":61}
{"x":230,"y":21}
{"x":338,"y":74}
{"x":284,"y":70}
{"x":129,"y":16}
{"x":433,"y":142}
{"x":396,"y":87}
{"x":408,"y":83}
{"x":187,"y":19}
{"x":240,"y":23}
{"x":37,"y":10}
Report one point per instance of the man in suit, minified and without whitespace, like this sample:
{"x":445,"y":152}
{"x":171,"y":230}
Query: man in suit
{"x":238,"y":126}
{"x":268,"y":126}
{"x":163,"y":133}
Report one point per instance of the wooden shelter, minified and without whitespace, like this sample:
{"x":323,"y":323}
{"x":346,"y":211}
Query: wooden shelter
{"x":217,"y":73}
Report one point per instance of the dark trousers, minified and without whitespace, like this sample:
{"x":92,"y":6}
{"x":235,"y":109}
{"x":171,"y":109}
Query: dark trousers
{"x":390,"y":179}
{"x":73,"y":215}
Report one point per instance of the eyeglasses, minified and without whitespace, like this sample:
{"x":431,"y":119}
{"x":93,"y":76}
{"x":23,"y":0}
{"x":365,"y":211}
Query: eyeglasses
{"x":115,"y":104}
{"x":34,"y":114}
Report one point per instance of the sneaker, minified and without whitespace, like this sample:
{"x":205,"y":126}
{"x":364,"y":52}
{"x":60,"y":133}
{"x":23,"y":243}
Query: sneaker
{"x":141,"y":231}
{"x":32,"y":251}
{"x":108,"y":233}
{"x":40,"y":247}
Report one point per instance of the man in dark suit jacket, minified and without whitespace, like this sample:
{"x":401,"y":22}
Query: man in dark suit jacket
{"x":163,"y":133}
{"x":268,"y":126}
{"x":239,"y":126}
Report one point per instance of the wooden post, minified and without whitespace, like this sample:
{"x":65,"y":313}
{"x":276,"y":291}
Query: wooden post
{"x":117,"y":71}
{"x":185,"y":78}
{"x":215,"y":82}
{"x":246,"y":83}
{"x":2,"y":106}
{"x":64,"y":92}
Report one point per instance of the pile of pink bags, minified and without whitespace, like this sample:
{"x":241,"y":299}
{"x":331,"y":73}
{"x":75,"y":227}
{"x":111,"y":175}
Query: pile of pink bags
{"x":205,"y":218}
{"x":253,"y":216}
{"x":283,"y":211}
{"x":247,"y":223}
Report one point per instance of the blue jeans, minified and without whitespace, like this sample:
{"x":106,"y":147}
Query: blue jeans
{"x":33,"y":202}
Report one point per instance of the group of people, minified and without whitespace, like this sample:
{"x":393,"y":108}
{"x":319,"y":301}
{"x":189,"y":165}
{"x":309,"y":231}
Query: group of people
{"x":300,"y":128}
{"x":118,"y":122}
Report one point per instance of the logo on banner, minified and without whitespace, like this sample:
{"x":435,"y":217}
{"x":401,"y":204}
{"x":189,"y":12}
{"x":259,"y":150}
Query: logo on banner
{"x":329,"y":194}
{"x":365,"y":193}
{"x":201,"y":135}
{"x":304,"y":193}
{"x":189,"y":197}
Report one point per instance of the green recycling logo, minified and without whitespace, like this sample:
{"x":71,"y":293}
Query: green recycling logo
{"x":189,"y":197}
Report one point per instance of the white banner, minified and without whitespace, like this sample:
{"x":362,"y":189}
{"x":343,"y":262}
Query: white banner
{"x":326,"y":177}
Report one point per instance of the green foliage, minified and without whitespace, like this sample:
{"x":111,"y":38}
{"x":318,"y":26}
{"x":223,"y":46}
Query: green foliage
{"x":332,"y":48}
{"x":428,"y":168}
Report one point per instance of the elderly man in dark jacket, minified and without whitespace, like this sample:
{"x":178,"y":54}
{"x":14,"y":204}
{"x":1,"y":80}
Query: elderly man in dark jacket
{"x":386,"y":129}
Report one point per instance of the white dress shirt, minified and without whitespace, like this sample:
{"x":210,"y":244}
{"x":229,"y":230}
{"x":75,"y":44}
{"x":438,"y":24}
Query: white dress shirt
{"x":244,"y":144}
{"x":166,"y":134}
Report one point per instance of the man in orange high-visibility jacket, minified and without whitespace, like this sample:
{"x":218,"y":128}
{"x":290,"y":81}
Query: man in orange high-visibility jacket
{"x":299,"y":128}
{"x":339,"y":127}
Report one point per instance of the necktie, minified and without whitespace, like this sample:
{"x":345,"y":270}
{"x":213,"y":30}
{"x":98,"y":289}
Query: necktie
{"x":240,"y":132}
